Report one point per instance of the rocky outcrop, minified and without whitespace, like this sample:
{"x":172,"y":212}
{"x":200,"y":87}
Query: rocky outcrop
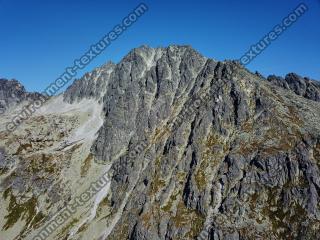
{"x":13,"y":93}
{"x":91,"y":85}
{"x":235,"y":163}
{"x":194,"y":148}
{"x":302,"y":86}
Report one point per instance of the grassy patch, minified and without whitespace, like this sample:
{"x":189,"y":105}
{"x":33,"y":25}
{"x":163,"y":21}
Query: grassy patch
{"x":26,"y":210}
{"x":86,"y":165}
{"x":283,"y":221}
{"x":188,"y":217}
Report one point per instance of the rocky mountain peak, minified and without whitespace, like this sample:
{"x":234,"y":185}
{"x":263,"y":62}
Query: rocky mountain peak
{"x":137,"y":62}
{"x":12,"y":92}
{"x":301,"y":86}
{"x":188,"y":147}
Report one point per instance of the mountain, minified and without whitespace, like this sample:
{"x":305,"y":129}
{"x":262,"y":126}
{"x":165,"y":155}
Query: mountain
{"x":166,"y":144}
{"x":305,"y":87}
{"x":13,"y":93}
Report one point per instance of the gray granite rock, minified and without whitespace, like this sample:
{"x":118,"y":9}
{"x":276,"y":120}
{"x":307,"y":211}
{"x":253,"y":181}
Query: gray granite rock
{"x":302,"y":86}
{"x":199,"y":149}
{"x":91,"y":85}
{"x":242,"y":153}
{"x":12,"y":92}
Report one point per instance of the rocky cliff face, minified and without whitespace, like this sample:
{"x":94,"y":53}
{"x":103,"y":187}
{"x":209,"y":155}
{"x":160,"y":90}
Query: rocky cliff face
{"x":193,"y":148}
{"x":304,"y":87}
{"x":13,"y":93}
{"x":91,"y":85}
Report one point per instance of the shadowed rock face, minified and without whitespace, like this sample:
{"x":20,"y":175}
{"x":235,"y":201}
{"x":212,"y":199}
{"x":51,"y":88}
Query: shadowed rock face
{"x":13,"y":93}
{"x":198,"y":148}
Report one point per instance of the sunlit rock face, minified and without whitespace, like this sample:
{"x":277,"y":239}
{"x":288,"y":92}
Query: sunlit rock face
{"x":184,"y":147}
{"x":302,"y":86}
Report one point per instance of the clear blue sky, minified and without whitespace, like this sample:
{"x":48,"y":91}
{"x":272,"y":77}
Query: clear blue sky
{"x":40,"y":38}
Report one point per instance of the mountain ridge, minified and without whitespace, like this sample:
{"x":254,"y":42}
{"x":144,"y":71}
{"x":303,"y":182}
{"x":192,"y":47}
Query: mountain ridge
{"x":241,"y":163}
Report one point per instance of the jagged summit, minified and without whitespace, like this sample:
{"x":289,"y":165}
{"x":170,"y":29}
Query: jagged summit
{"x":140,"y":59}
{"x":151,"y":55}
{"x":144,"y":58}
{"x":188,"y":147}
{"x":12,"y":92}
{"x":302,"y":86}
